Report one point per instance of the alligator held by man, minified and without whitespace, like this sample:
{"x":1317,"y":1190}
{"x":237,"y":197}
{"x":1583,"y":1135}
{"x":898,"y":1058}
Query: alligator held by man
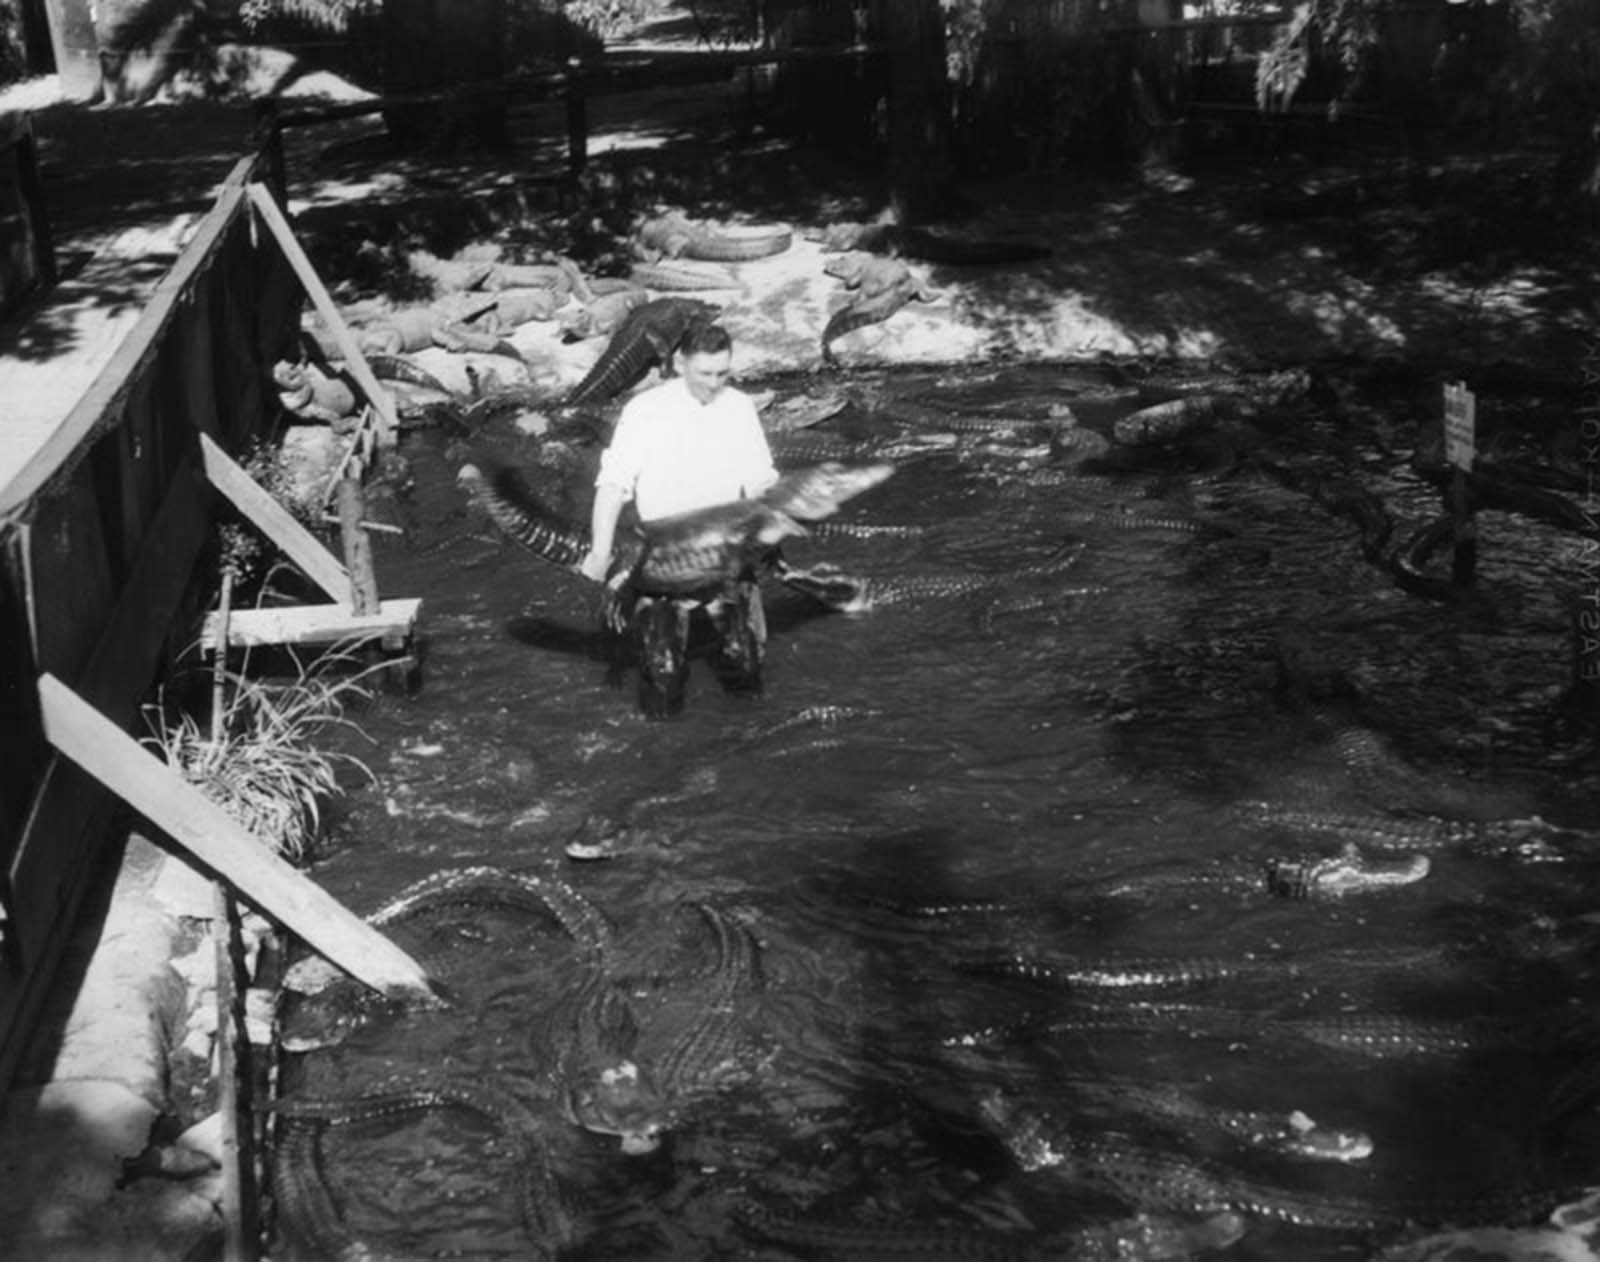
{"x":647,"y":338}
{"x":682,"y":556}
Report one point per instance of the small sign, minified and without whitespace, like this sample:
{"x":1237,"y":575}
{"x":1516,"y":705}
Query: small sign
{"x":1460,"y":419}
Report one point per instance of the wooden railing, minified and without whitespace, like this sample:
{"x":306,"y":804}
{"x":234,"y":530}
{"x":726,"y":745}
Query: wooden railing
{"x":100,"y":532}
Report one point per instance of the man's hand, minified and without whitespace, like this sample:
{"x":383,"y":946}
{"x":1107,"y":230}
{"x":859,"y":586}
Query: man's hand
{"x":595,"y":565}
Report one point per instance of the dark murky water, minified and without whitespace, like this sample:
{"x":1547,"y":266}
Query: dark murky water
{"x":928,"y":790}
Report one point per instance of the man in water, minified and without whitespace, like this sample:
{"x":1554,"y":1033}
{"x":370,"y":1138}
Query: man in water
{"x":689,"y":443}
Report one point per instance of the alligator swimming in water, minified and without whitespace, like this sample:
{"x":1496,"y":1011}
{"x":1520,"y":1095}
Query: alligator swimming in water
{"x":646,"y":339}
{"x":1341,"y":874}
{"x":675,"y":1055}
{"x":333,"y":1005}
{"x":1370,"y":1036}
{"x":308,"y":1209}
{"x":854,"y":593}
{"x":1146,"y":1178}
{"x":1142,"y":1238}
{"x":1531,"y":839}
{"x":1034,"y":1139}
{"x":687,"y":555}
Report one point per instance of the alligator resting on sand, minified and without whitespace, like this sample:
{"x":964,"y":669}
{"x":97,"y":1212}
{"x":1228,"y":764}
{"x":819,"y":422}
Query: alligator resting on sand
{"x":883,"y":286}
{"x":674,"y":235}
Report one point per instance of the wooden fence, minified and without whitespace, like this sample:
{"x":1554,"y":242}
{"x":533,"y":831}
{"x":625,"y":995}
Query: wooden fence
{"x":100,"y":534}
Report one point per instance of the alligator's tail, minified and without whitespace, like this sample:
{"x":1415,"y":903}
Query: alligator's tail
{"x":501,"y":492}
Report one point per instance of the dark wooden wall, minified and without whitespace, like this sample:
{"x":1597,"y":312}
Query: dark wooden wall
{"x":99,"y":540}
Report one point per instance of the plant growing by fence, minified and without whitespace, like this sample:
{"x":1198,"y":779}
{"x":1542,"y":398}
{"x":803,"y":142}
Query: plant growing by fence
{"x":262,"y":761}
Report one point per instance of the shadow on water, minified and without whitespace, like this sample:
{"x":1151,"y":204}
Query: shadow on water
{"x":964,"y":924}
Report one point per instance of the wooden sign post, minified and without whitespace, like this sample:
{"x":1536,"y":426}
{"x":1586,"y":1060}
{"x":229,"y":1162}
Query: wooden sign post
{"x":1460,"y":421}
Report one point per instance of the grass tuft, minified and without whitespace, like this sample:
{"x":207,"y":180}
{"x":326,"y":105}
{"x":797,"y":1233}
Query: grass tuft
{"x":264,"y":767}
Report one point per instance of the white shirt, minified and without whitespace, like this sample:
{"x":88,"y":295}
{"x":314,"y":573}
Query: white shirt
{"x":673,"y":454}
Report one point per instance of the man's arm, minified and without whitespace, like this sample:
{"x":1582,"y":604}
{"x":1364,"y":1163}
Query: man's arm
{"x":608,"y":502}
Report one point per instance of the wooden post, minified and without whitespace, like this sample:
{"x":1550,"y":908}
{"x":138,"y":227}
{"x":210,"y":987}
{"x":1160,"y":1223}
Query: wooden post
{"x":208,"y":833}
{"x":238,"y":1245}
{"x":267,"y":208}
{"x":1460,"y":418}
{"x":298,"y":544}
{"x":357,"y":550}
{"x":577,"y":120}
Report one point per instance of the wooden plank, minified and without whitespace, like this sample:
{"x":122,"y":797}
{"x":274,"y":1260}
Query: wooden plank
{"x":102,"y":402}
{"x":210,"y":835}
{"x":394,"y":622}
{"x":354,"y":360}
{"x":70,"y":580}
{"x":275,"y":521}
{"x":67,"y":812}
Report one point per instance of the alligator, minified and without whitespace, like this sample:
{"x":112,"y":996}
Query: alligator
{"x":1163,"y":422}
{"x":334,"y":1005}
{"x":1142,"y":1238}
{"x":851,"y":593}
{"x":1303,"y":877}
{"x":647,"y":338}
{"x":1371,"y":1036}
{"x":1148,"y":1179}
{"x":929,"y":245}
{"x":604,"y":313}
{"x":516,"y":307}
{"x":308,"y":1209}
{"x":801,"y":411}
{"x":1127,"y":520}
{"x":450,"y":323}
{"x":812,"y":448}
{"x":458,"y":275}
{"x":639,"y":1086}
{"x":893,"y":290}
{"x":674,"y":235}
{"x":312,"y":394}
{"x":1027,"y":1134}
{"x":685,"y":555}
{"x":913,"y":415}
{"x":1126,"y":973}
{"x":1532,"y":839}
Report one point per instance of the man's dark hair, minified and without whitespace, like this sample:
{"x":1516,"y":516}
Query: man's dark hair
{"x":705,"y":339}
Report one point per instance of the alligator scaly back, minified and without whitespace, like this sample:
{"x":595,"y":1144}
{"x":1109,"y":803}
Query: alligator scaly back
{"x":648,"y":337}
{"x":309,"y":1209}
{"x":500,"y":491}
{"x":1141,"y":1238}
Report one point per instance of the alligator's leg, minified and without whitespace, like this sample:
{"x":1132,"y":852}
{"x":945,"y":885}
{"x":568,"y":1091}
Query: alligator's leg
{"x":661,"y":638}
{"x":741,"y":625}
